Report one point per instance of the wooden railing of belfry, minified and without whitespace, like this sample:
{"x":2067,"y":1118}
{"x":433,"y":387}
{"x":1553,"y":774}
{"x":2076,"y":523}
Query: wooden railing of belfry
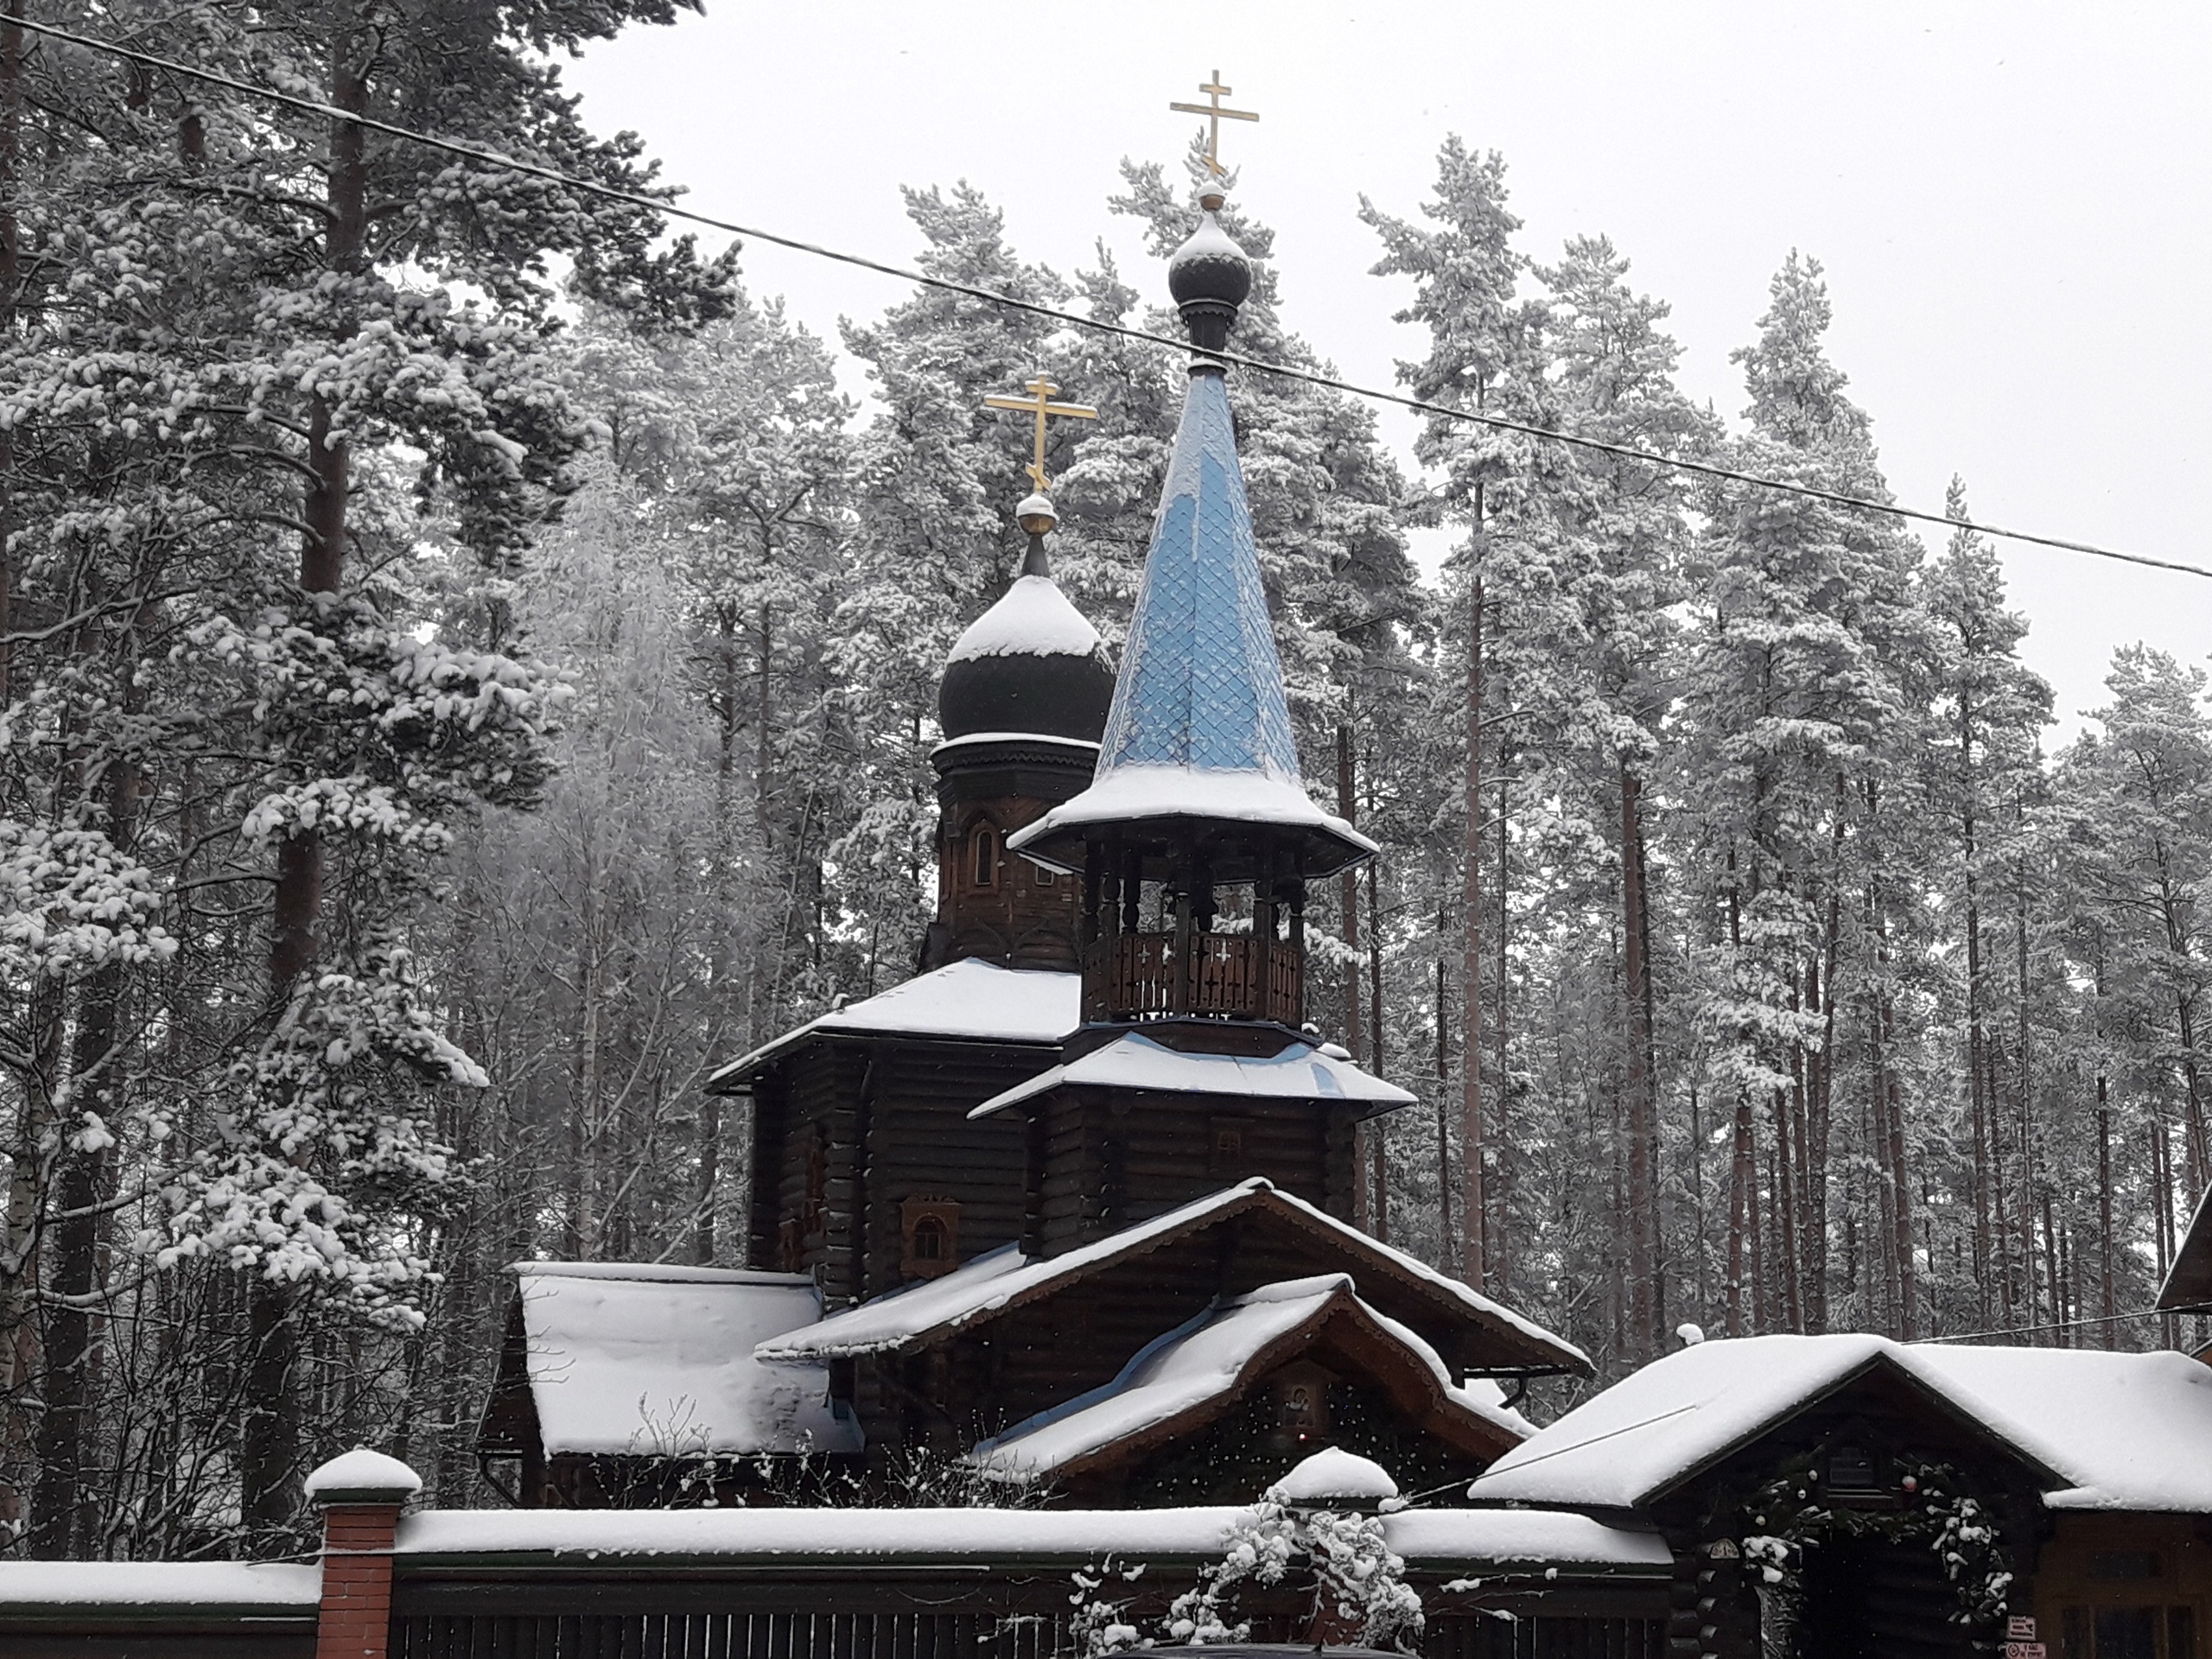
{"x":1137,"y":976}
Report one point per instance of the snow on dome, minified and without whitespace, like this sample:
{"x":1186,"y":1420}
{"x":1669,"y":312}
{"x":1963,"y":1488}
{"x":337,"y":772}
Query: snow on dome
{"x":1031,"y":619}
{"x":1334,"y":1472}
{"x":362,"y":1471}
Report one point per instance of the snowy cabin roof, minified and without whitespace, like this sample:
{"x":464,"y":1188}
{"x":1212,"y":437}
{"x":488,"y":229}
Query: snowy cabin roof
{"x":1199,"y":728}
{"x":969,"y":1000}
{"x":652,"y":1361}
{"x":1456,"y":1540}
{"x":1300,"y":1070}
{"x":2105,"y":1429}
{"x":914,"y":1315}
{"x":1187,"y":1378}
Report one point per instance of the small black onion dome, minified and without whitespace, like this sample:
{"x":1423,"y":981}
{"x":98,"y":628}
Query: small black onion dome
{"x":1031,"y":665}
{"x":1210,"y":277}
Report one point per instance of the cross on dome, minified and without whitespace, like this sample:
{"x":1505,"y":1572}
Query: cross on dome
{"x":1215,"y":115}
{"x":1040,"y":403}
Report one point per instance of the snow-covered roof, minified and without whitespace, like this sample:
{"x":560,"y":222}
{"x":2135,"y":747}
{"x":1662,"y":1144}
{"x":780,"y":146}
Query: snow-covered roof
{"x":1334,"y":1472}
{"x":172,"y":1584}
{"x":657,"y":1361}
{"x":1133,"y":793}
{"x":1455,"y":1539}
{"x":2129,"y":1431}
{"x":1186,"y":1377}
{"x":1301,"y":1071}
{"x":968,"y":1000}
{"x":1032,"y":618}
{"x":1003,"y":1278}
{"x":2188,"y":1282}
{"x":2114,"y":1431}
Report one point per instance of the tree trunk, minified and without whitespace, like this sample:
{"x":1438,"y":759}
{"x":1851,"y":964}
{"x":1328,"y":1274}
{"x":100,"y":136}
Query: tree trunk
{"x":1743,"y":1211}
{"x":1447,"y":1244}
{"x":1369,"y":1134}
{"x":2107,"y":1290}
{"x":1475,"y":1251}
{"x":269,"y":1449}
{"x":1375,"y":1049}
{"x":64,"y":1441}
{"x":1643,"y":1205}
{"x":1501,"y":1240}
{"x":11,"y":118}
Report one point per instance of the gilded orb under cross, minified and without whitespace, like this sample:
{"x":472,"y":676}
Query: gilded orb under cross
{"x":1215,"y":115}
{"x":1040,"y":403}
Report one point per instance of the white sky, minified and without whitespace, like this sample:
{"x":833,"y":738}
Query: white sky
{"x":2012,"y":202}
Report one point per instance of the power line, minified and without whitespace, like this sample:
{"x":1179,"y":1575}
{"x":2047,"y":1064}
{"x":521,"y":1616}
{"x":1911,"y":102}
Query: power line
{"x":1422,"y":406}
{"x":2073,"y":1325}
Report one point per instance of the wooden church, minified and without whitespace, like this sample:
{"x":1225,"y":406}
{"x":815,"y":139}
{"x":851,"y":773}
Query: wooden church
{"x":1075,"y":1204}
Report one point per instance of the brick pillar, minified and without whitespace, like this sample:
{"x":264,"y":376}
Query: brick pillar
{"x":361,"y":1494}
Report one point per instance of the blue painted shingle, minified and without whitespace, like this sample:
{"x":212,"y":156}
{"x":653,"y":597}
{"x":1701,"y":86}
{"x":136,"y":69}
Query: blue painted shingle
{"x":1201,"y":685}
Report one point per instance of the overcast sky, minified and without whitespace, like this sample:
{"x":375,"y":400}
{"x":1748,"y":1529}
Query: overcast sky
{"x":2012,"y":202}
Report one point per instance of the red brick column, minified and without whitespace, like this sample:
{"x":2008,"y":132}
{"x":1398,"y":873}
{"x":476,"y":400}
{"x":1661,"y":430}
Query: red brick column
{"x":361,"y":1494}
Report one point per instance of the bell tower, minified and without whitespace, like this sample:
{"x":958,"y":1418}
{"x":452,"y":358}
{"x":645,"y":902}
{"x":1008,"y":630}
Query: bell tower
{"x":1198,"y":791}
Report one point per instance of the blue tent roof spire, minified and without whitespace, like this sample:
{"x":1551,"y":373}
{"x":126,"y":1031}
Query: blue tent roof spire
{"x":1200,"y":739}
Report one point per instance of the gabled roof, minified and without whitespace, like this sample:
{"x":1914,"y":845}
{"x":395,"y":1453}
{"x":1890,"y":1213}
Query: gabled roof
{"x":2105,"y":1431}
{"x":967,"y":1001}
{"x":915,"y":1316}
{"x":634,"y":1359}
{"x":1193,"y":1375}
{"x":2188,"y":1282}
{"x":1201,"y":728}
{"x":1300,"y":1072}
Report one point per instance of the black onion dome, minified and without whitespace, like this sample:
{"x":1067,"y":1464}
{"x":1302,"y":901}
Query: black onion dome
{"x":1031,"y":665}
{"x":1210,"y":266}
{"x":1210,"y":277}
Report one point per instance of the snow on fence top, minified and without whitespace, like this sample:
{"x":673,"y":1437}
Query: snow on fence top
{"x":1334,"y":1472}
{"x":1458,"y":1540}
{"x":1300,"y":1072}
{"x":969,"y":1000}
{"x":2111,"y":1431}
{"x":244,"y":1586}
{"x":644,"y":1360}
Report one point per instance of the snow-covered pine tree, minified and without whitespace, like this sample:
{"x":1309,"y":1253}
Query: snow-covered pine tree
{"x":296,"y":424}
{"x":1485,"y":354}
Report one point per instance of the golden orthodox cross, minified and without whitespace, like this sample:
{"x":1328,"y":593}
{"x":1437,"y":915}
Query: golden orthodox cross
{"x":1215,"y":115}
{"x":1040,"y":403}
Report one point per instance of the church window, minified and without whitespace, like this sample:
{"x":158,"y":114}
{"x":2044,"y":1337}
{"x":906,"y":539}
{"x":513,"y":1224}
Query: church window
{"x":1226,"y":1156}
{"x":1046,"y":878}
{"x":984,"y":852}
{"x":928,"y":1231}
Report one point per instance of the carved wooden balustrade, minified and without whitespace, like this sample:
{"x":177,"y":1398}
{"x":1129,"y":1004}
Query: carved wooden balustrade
{"x":1138,"y":976}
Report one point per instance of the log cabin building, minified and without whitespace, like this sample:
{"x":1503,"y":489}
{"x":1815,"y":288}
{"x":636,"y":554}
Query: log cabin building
{"x":1077,"y":1201}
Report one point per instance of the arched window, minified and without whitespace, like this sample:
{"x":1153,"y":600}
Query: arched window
{"x":929,"y":1240}
{"x":983,"y":849}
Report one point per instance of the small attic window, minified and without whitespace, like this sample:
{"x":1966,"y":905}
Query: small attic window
{"x":929,"y":1237}
{"x":983,"y":857}
{"x":1851,"y":1470}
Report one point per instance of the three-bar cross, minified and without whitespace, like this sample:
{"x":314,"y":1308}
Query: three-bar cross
{"x":1040,"y":403}
{"x":1215,"y":115}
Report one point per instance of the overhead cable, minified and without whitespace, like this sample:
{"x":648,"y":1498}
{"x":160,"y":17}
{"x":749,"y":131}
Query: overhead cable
{"x":1419,"y":406}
